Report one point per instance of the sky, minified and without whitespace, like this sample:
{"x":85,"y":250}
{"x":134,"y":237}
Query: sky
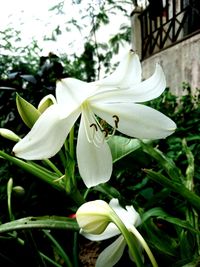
{"x":34,"y":20}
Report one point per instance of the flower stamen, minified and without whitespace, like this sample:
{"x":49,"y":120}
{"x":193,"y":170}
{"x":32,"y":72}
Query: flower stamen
{"x":106,"y":132}
{"x":95,"y":137}
{"x":116,"y":120}
{"x":95,"y":126}
{"x":95,"y":129}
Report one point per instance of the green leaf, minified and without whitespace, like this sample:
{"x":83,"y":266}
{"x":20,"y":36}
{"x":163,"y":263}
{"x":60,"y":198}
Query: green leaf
{"x":161,"y":214}
{"x":108,"y":190}
{"x":181,"y":223}
{"x":122,"y":146}
{"x":155,"y":212}
{"x":161,"y":241}
{"x":179,"y":188}
{"x":58,"y":248}
{"x":46,"y":222}
{"x":168,"y":164}
{"x":187,"y":246}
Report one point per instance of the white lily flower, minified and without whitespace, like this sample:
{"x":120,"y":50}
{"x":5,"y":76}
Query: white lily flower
{"x":115,"y":99}
{"x":112,"y":254}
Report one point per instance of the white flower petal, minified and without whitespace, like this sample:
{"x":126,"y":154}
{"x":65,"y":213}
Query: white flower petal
{"x":112,"y":254}
{"x":136,"y":120}
{"x":71,"y":93}
{"x":47,"y":135}
{"x":110,"y":231}
{"x":144,"y":91}
{"x":128,"y":72}
{"x":151,"y":88}
{"x":140,"y":251}
{"x":129,"y":217}
{"x":94,"y":160}
{"x":134,"y":215}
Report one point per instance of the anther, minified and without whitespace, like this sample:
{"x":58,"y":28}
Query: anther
{"x":94,"y":125}
{"x":106,"y":132}
{"x":116,"y":120}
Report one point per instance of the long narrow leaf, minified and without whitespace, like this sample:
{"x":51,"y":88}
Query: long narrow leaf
{"x":161,"y":214}
{"x":168,"y":164}
{"x":60,"y":250}
{"x":179,"y":188}
{"x":47,"y":222}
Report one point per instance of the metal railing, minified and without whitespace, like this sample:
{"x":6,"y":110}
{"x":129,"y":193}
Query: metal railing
{"x":162,"y":26}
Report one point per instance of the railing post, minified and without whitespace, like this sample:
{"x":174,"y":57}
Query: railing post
{"x":136,"y":33}
{"x":173,"y":20}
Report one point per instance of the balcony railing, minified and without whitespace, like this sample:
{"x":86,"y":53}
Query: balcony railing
{"x":162,"y":26}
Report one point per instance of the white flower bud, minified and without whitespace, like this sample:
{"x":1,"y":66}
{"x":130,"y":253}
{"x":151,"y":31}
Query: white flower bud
{"x":93,"y":217}
{"x":46,"y":102}
{"x":6,"y":133}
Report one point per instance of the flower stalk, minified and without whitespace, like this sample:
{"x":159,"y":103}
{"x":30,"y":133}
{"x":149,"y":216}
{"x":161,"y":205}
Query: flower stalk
{"x":131,"y":242}
{"x":34,"y":169}
{"x":144,"y":245}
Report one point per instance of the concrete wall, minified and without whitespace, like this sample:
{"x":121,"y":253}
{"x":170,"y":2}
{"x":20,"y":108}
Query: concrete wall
{"x":180,"y":62}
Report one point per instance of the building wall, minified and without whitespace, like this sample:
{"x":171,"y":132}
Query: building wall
{"x":180,"y":62}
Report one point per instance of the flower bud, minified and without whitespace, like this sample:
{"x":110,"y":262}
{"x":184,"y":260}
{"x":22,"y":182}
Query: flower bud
{"x":93,"y":217}
{"x":19,"y":190}
{"x":46,"y":102}
{"x":6,"y":133}
{"x":27,"y":111}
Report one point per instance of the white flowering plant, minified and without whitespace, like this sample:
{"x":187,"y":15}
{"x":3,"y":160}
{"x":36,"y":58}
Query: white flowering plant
{"x":76,"y":138}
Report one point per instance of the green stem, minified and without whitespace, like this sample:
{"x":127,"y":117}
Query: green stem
{"x":131,"y":242}
{"x":49,"y":260}
{"x":190,"y":196}
{"x":44,"y":175}
{"x":71,"y":154}
{"x":144,"y":244}
{"x":33,"y":169}
{"x":77,"y":197}
{"x":75,"y":250}
{"x":59,"y":249}
{"x":71,"y":143}
{"x":53,"y":167}
{"x":62,"y":158}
